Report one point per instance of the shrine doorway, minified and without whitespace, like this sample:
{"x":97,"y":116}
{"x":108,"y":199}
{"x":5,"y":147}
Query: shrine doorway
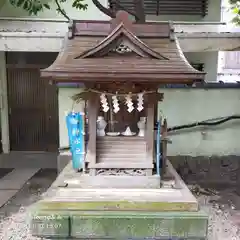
{"x":118,"y":122}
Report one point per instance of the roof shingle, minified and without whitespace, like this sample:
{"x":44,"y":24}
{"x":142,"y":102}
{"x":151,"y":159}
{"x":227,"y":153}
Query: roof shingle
{"x":148,"y":58}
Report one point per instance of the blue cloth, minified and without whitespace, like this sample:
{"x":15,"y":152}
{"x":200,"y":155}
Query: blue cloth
{"x":75,"y":125}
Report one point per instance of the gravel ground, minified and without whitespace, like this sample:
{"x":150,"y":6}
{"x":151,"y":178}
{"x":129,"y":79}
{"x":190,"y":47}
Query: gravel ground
{"x":14,"y":215}
{"x":224,"y":214}
{"x":223,"y":209}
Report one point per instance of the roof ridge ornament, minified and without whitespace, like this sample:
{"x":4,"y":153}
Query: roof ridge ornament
{"x":71,"y":29}
{"x":122,"y":17}
{"x":172,"y":30}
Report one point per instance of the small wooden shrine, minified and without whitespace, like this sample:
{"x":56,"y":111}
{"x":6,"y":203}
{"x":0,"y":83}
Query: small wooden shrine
{"x":122,"y":63}
{"x":121,"y":195}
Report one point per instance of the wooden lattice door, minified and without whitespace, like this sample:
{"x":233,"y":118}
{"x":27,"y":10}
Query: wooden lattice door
{"x":33,"y":111}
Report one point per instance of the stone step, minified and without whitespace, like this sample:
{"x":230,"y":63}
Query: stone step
{"x":122,"y":147}
{"x":111,"y":181}
{"x":124,"y":161}
{"x":145,"y":199}
{"x":122,"y":139}
{"x":116,"y":143}
{"x":117,"y":154}
{"x":121,"y":151}
{"x":121,"y":159}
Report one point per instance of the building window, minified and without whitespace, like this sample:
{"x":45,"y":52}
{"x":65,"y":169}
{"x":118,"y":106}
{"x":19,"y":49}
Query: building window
{"x":198,"y":66}
{"x":167,"y":7}
{"x":232,"y":60}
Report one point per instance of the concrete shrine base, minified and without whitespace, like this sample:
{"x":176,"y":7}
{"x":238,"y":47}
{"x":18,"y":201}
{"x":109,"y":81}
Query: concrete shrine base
{"x":120,"y":225}
{"x":71,"y":212}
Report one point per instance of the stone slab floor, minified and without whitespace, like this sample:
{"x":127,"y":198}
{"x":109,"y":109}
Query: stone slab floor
{"x":223,"y":209}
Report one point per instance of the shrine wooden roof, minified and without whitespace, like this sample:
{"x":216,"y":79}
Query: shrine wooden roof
{"x":103,"y":51}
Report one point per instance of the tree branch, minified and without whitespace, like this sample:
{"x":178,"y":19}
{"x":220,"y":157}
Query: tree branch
{"x":140,"y":11}
{"x":125,"y":9}
{"x":106,"y":11}
{"x":59,"y":9}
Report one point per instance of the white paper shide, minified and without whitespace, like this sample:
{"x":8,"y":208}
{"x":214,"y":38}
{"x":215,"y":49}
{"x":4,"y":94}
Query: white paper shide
{"x":140,"y":102}
{"x":115,"y":104}
{"x":104,"y":102}
{"x":129,"y":103}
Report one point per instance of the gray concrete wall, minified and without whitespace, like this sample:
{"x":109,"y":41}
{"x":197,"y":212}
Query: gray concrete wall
{"x":183,"y":106}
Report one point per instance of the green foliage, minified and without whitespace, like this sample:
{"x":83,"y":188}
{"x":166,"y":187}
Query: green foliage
{"x":235,"y":7}
{"x":33,"y":7}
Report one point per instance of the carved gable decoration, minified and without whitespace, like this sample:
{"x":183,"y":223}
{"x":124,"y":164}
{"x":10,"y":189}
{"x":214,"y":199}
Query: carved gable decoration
{"x":121,"y":43}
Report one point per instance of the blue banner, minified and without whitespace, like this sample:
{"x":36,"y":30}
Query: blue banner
{"x":75,"y":126}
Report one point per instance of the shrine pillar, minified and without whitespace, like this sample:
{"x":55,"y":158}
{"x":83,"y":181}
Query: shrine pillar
{"x":150,"y":136}
{"x":93,"y":104}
